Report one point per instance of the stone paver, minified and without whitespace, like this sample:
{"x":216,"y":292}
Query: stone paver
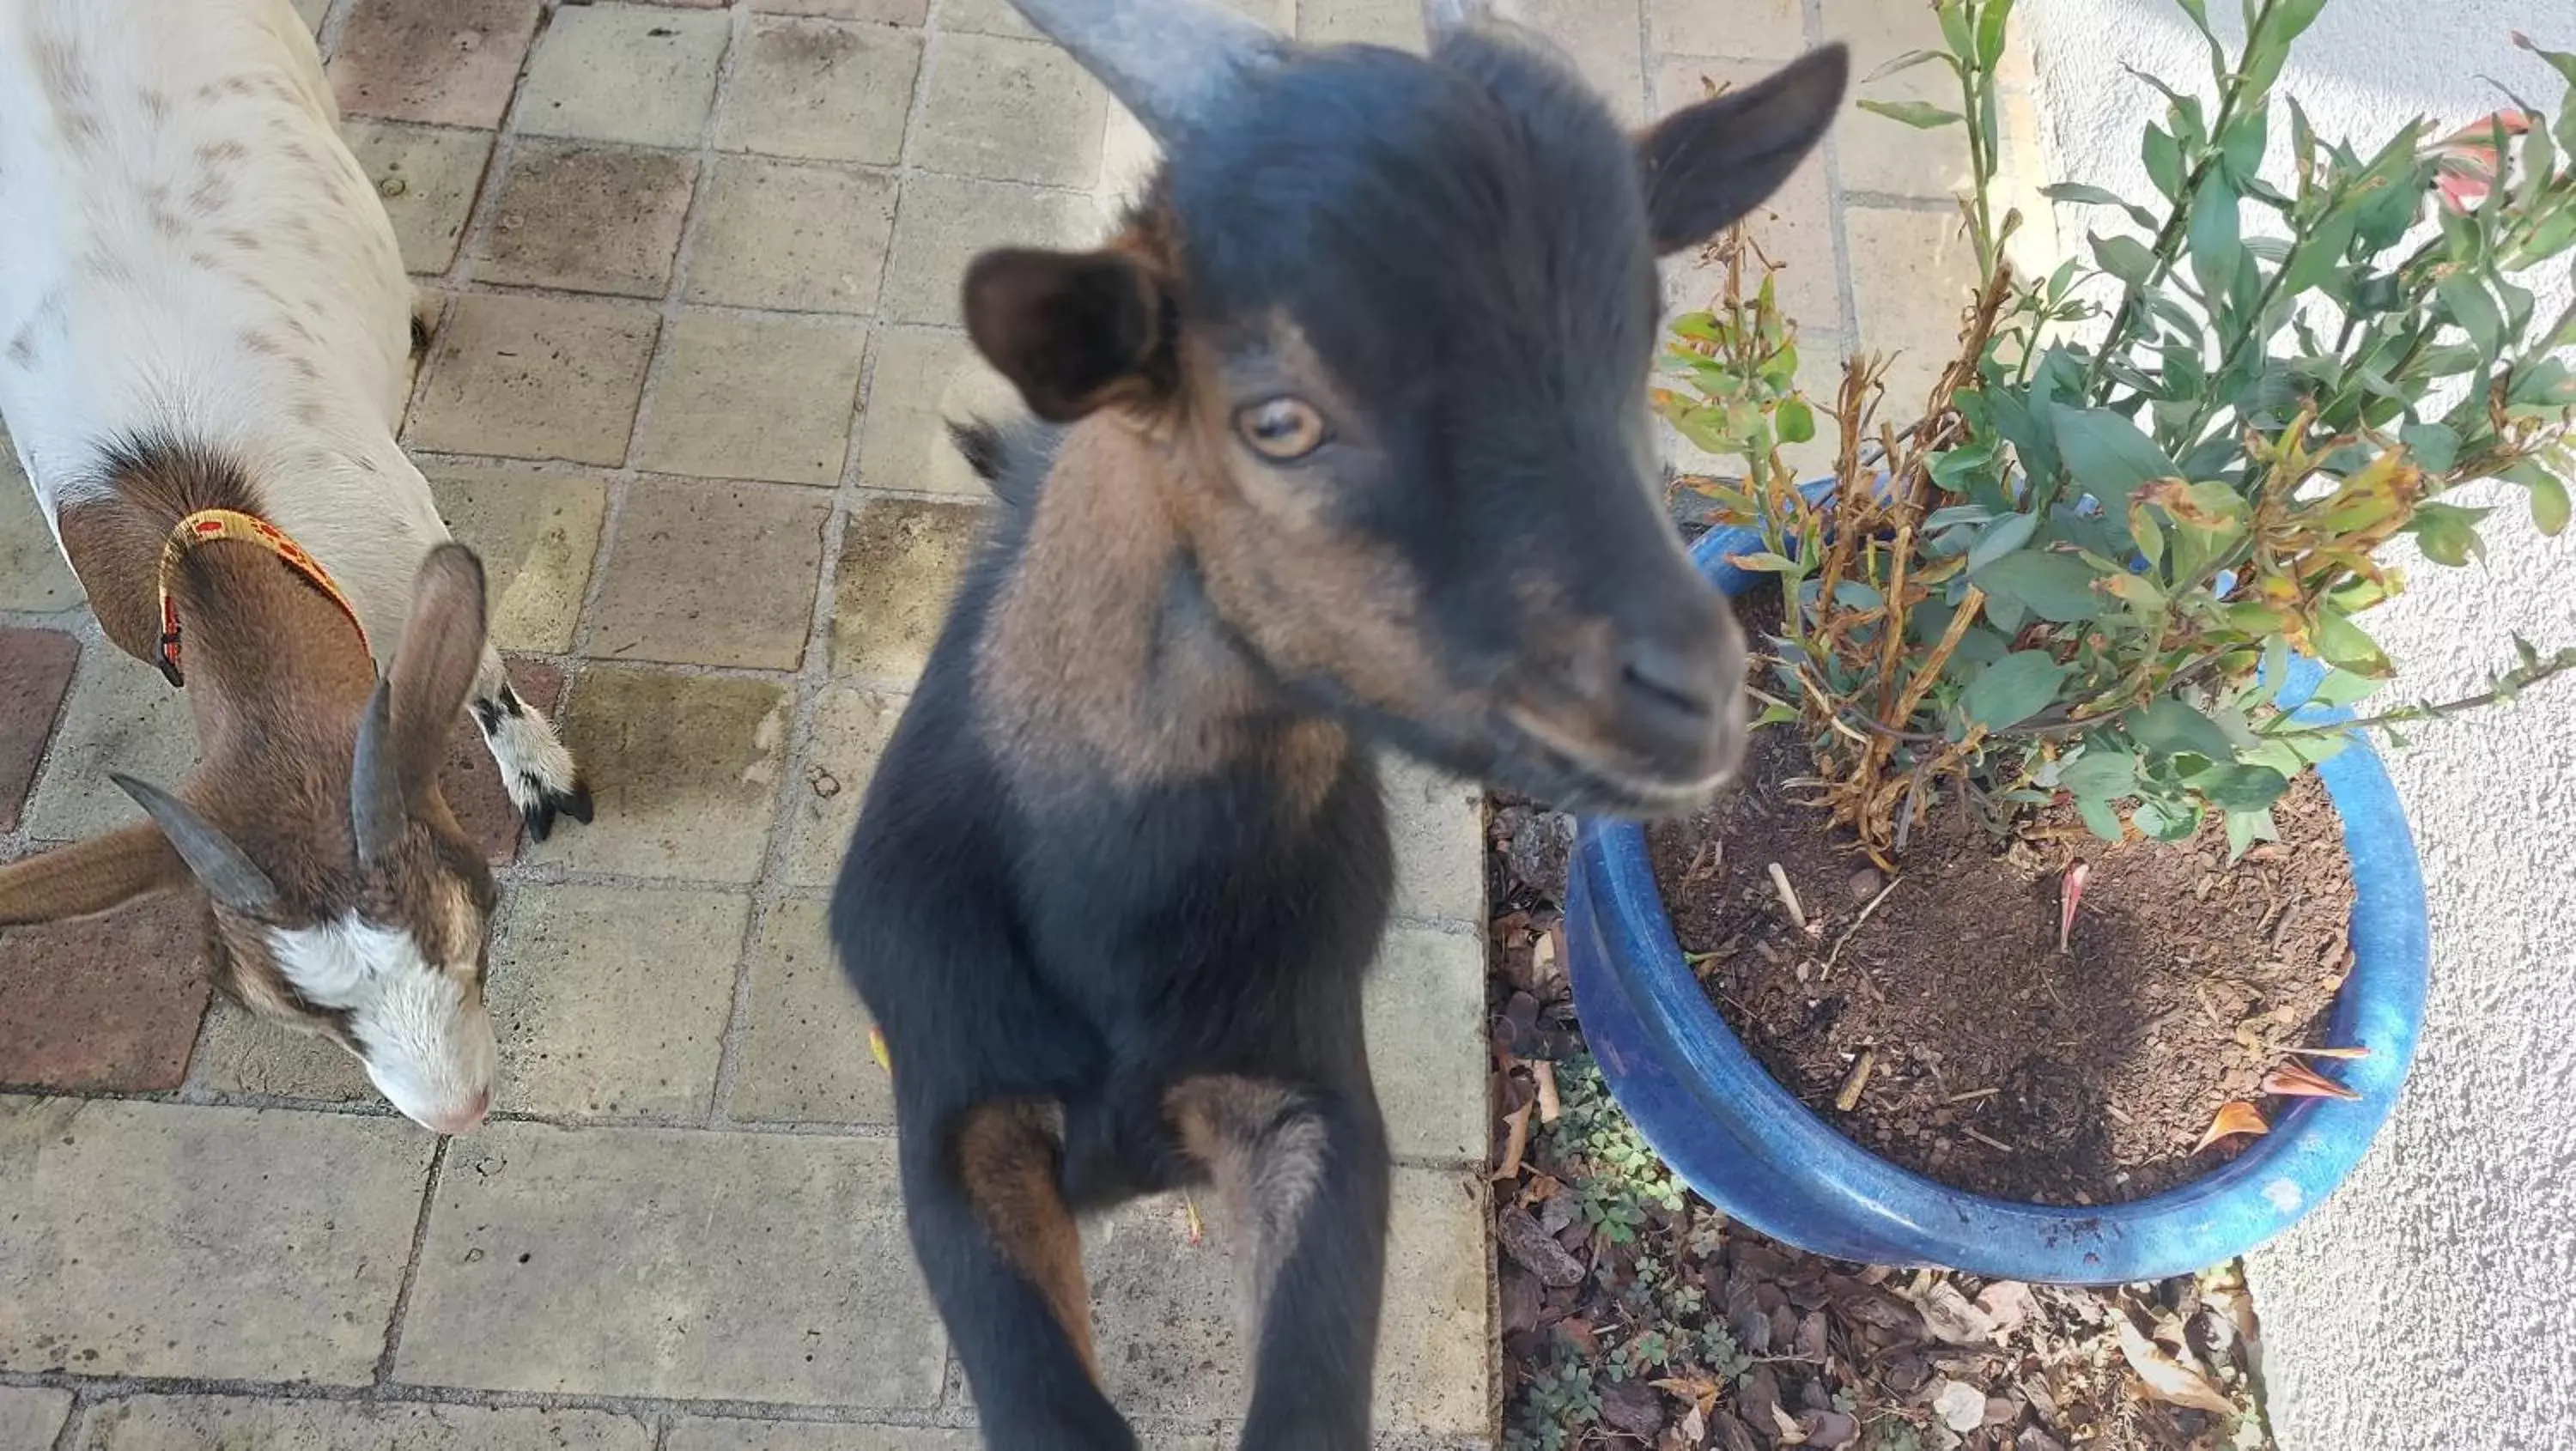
{"x":535,"y":377}
{"x":1165,"y":1311}
{"x":695,"y":1435}
{"x":536,"y":530}
{"x":428,"y":177}
{"x":619,"y":999}
{"x":33,"y":576}
{"x":104,"y":1004}
{"x":705,"y":576}
{"x":152,"y":1239}
{"x":32,"y":1416}
{"x":38,"y":666}
{"x":901,"y":561}
{"x":1426,"y":1017}
{"x":588,"y":219}
{"x":820,"y":90}
{"x":924,"y":381}
{"x":947,"y":220}
{"x":203,"y":1423}
{"x":807,"y":367}
{"x":1014,"y":110}
{"x":805,"y":1051}
{"x":793,"y":236}
{"x":450,"y":65}
{"x":683,"y":769}
{"x":1438,"y":824}
{"x":240,"y":1053}
{"x":121,"y":716}
{"x":635,"y":73}
{"x":890,"y":12}
{"x":1743,"y":29}
{"x":851,"y":728}
{"x":665,"y":1262}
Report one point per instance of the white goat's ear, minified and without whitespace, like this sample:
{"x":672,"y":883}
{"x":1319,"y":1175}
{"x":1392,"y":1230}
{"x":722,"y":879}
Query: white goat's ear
{"x":223,"y":869}
{"x":403,"y":736}
{"x":1708,"y":164}
{"x":89,"y":877}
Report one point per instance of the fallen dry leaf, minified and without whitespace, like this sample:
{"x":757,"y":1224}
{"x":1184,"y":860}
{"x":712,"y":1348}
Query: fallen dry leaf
{"x":1549,"y":1105}
{"x":877,"y":1048}
{"x":2070,"y":891}
{"x":1953,"y":1320}
{"x":2354,"y":1052}
{"x":1190,"y":1213}
{"x":1961,"y":1406}
{"x":2234,"y":1117}
{"x":2168,"y":1379}
{"x":1515,"y":1143}
{"x":1791,"y":1433}
{"x":2297,"y":1080}
{"x":1536,"y":1250}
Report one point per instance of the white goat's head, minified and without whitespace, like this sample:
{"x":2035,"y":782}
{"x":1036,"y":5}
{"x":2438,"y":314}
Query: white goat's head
{"x":346,"y":900}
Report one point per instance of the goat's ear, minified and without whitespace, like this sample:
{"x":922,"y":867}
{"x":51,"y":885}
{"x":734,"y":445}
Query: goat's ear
{"x":90,"y":877}
{"x":222,"y":868}
{"x":1073,"y":330}
{"x":1708,"y":164}
{"x":442,"y":651}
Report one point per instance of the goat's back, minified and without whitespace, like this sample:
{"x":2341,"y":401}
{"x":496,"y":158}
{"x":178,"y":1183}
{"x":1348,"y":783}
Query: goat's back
{"x":191,"y":249}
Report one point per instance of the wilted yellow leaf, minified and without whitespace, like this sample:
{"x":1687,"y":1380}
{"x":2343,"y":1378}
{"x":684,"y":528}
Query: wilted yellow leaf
{"x":2233,"y":1118}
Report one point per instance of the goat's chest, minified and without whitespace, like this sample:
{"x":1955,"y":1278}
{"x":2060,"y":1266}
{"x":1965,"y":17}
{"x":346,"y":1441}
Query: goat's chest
{"x":1218,"y":910}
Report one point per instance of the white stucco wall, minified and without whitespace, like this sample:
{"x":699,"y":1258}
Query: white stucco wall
{"x":2432,"y":1304}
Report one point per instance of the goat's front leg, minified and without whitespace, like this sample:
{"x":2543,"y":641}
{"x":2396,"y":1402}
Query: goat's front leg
{"x":1003,"y":1257}
{"x":1304,"y":1171}
{"x":543,"y":780}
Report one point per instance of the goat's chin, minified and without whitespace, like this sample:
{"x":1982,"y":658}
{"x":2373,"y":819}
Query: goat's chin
{"x":1598,"y":784}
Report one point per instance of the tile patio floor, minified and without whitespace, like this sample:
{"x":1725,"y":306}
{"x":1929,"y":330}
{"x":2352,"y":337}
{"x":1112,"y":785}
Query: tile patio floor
{"x":698,"y":263}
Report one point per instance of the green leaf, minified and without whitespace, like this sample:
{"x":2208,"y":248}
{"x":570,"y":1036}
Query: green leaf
{"x":2548,"y":494}
{"x":1796,"y":420}
{"x":2447,"y":533}
{"x":2002,"y":537}
{"x":2241,"y":148}
{"x":2244,"y":828}
{"x":2076,"y":191}
{"x":2319,"y":253}
{"x":2434,"y":447}
{"x":2163,"y":156}
{"x":2342,"y":687}
{"x":2170,"y":728}
{"x":1907,"y":62}
{"x":2108,"y":455}
{"x":2198,"y":10}
{"x":1921,"y":115}
{"x":2164,"y":820}
{"x":2474,"y":310}
{"x":1990,"y":31}
{"x":2240,"y":788}
{"x":2342,"y":643}
{"x":2013,"y":689}
{"x":2099,"y":817}
{"x":2055,"y":587}
{"x":2100,"y":772}
{"x":2126,"y":258}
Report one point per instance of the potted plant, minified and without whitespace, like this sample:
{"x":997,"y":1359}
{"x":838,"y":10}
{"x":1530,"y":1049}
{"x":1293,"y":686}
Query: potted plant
{"x":2060,"y":870}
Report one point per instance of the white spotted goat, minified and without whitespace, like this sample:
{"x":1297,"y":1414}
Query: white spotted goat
{"x":205,"y":342}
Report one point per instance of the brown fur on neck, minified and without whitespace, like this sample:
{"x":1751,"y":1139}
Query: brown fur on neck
{"x":1099,"y":661}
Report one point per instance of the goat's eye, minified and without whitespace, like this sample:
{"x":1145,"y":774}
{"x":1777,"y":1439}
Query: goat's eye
{"x":1282,"y":428}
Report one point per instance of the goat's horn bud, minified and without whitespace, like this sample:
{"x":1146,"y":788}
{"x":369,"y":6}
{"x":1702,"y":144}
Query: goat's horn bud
{"x":1172,"y":62}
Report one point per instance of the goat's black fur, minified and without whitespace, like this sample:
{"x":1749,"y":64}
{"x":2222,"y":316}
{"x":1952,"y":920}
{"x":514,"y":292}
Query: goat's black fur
{"x":1127,"y":978}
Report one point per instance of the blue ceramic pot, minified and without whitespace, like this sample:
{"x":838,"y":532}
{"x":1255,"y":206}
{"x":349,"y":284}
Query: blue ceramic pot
{"x":1756,"y":1152}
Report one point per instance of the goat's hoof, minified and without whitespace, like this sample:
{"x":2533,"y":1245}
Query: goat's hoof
{"x":540,"y":813}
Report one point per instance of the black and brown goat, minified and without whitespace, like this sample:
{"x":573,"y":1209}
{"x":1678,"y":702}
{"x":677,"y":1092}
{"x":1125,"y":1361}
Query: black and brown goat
{"x":1344,"y":442}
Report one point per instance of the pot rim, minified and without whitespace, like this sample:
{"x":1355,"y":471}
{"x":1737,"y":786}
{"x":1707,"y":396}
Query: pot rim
{"x":1753,"y":1149}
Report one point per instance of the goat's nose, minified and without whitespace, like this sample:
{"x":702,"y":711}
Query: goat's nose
{"x":1674,"y":693}
{"x":466,"y":1119}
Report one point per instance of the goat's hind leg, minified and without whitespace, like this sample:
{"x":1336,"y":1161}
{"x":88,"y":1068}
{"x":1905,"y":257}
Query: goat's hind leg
{"x":541,"y":776}
{"x":1003,"y":1255}
{"x":1304,"y":1172}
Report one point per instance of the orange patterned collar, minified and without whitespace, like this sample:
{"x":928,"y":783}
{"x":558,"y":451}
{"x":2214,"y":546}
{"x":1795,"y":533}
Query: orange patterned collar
{"x":208,"y":525}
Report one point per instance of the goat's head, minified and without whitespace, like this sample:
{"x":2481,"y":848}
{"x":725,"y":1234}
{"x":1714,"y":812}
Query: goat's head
{"x":1393,"y":317}
{"x":347,"y":902}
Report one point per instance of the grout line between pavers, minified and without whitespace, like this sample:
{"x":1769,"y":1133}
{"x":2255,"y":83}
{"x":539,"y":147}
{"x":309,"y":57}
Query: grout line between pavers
{"x":429,"y":1183}
{"x":1837,"y":218}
